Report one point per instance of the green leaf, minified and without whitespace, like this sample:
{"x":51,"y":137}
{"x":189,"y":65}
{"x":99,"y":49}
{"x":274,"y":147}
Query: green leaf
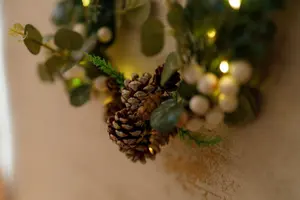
{"x":137,"y":11}
{"x":152,"y":37}
{"x":186,"y":91}
{"x":171,"y":66}
{"x":166,"y":116}
{"x":33,"y":39}
{"x":176,"y":17}
{"x":198,"y":139}
{"x":44,"y":74}
{"x":68,"y":39}
{"x":80,"y":95}
{"x":54,"y":64}
{"x":248,"y":109}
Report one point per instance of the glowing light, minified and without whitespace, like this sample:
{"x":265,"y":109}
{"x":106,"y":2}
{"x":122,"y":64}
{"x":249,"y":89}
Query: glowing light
{"x":235,"y":4}
{"x":76,"y":82}
{"x":108,"y":100}
{"x":211,"y":33}
{"x":86,"y":3}
{"x":151,"y":150}
{"x":224,"y":66}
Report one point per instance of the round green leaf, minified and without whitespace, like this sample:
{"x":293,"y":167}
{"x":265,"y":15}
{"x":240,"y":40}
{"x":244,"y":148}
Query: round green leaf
{"x":186,"y":91}
{"x":54,"y":64}
{"x":80,"y":95}
{"x":176,"y":17}
{"x":166,"y":116}
{"x":68,"y":39}
{"x":44,"y":74}
{"x":33,"y":39}
{"x":137,"y":14}
{"x":152,"y":37}
{"x":171,"y":66}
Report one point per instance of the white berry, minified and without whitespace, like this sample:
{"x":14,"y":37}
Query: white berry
{"x":192,"y":74}
{"x":104,"y":34}
{"x":80,"y":28}
{"x":228,"y":86}
{"x":74,"y":72}
{"x":228,"y":103}
{"x":199,"y":104}
{"x":241,"y":71}
{"x":214,"y":117}
{"x":207,"y":84}
{"x":194,"y":124}
{"x":100,"y":83}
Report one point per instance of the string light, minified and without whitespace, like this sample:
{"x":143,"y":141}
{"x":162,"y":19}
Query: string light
{"x":151,"y":150}
{"x":86,"y":3}
{"x":235,"y":4}
{"x":211,"y":33}
{"x":224,"y":66}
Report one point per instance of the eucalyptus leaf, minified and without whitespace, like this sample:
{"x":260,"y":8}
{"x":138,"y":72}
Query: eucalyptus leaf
{"x":33,"y":39}
{"x":137,"y":11}
{"x":62,"y":13}
{"x":68,"y":39}
{"x":152,"y":37}
{"x":166,"y":116}
{"x":54,"y":64}
{"x":248,"y":109}
{"x":186,"y":91}
{"x":176,"y":17}
{"x":171,"y":66}
{"x":44,"y":74}
{"x":80,"y":95}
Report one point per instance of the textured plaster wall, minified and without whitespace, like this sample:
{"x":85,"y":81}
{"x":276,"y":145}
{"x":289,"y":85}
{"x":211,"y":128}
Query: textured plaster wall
{"x":63,"y":153}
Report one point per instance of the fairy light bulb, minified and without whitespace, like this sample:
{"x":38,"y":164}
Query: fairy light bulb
{"x":235,"y":4}
{"x":86,"y":3}
{"x":151,"y":150}
{"x":211,"y":33}
{"x":224,"y":67}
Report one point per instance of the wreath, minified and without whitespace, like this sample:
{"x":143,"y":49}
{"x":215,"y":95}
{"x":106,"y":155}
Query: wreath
{"x":214,"y":77}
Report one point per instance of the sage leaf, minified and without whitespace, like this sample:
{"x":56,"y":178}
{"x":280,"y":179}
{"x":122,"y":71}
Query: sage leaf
{"x":171,"y":66}
{"x":137,"y":11}
{"x":33,"y":39}
{"x":186,"y":91}
{"x":80,"y":95}
{"x":176,"y":17}
{"x":166,"y":116}
{"x":152,"y":37}
{"x":44,"y":74}
{"x":68,"y":39}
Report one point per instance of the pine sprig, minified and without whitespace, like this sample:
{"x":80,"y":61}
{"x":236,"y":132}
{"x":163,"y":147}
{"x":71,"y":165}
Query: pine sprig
{"x":198,"y":140}
{"x":107,"y":68}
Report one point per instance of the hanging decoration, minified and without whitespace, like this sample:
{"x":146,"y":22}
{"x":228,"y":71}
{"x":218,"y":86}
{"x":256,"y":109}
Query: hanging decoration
{"x":212,"y":78}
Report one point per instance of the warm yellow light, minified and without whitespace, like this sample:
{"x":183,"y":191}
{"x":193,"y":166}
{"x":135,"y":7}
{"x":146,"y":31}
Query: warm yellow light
{"x":151,"y":150}
{"x":224,"y":66}
{"x":86,"y":3}
{"x":108,"y":100}
{"x":211,"y":33}
{"x":235,"y":4}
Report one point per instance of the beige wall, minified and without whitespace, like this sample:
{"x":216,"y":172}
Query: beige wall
{"x":63,"y":153}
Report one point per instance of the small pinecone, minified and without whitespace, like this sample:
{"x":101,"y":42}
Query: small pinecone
{"x":114,"y":106}
{"x":133,"y":136}
{"x":113,"y":87}
{"x":170,"y":85}
{"x":136,"y":90}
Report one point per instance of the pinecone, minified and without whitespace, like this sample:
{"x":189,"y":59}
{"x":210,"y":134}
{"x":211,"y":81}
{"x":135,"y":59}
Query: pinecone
{"x":114,"y":106}
{"x":136,"y":90}
{"x":113,"y":87}
{"x":134,"y":136}
{"x":170,"y":85}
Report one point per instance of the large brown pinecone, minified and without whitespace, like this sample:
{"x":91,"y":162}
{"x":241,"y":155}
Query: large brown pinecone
{"x":138,"y":89}
{"x":134,"y":136}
